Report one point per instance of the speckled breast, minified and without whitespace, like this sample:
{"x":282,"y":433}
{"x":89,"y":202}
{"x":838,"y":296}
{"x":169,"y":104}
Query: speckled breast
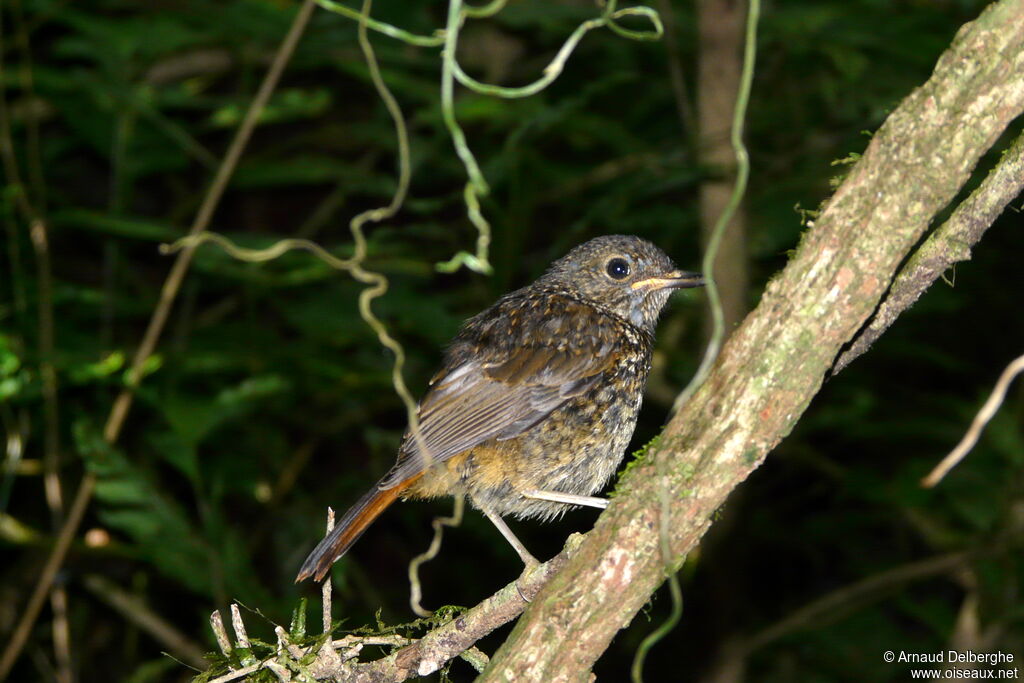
{"x":576,"y":449}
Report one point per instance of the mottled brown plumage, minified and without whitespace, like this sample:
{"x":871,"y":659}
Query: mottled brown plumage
{"x":539,"y":392}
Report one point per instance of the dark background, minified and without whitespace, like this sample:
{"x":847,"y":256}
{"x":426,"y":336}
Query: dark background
{"x":272,"y":399}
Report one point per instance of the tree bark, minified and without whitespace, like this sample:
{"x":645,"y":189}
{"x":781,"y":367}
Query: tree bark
{"x":776,"y":360}
{"x":720,"y":34}
{"x":945,"y":246}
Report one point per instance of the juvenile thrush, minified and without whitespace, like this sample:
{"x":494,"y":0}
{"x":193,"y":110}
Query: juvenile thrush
{"x":538,"y":396}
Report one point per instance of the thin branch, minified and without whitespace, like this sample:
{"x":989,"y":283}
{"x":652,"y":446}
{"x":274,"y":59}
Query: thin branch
{"x":52,"y":486}
{"x":980,"y":420}
{"x":235,"y":675}
{"x":325,"y":588}
{"x":171,"y":286}
{"x":241,"y":635}
{"x":33,"y":214}
{"x":219,"y":632}
{"x":61,"y":634}
{"x":949,"y":244}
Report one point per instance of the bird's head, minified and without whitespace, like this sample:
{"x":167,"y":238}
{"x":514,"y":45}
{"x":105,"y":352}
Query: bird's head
{"x":623,"y":273}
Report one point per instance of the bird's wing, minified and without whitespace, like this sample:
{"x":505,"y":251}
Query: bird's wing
{"x":499,"y":395}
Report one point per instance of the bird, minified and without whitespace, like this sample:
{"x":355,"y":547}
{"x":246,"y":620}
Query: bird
{"x":537,"y":397}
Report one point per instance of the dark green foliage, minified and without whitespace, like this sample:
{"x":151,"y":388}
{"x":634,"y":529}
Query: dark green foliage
{"x":270,"y":399}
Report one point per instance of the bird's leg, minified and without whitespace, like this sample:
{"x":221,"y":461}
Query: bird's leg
{"x":567,"y":498}
{"x":524,"y":554}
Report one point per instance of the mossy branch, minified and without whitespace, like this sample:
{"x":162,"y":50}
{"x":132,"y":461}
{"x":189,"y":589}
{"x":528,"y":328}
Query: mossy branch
{"x":776,"y":361}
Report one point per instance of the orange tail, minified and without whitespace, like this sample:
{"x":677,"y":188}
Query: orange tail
{"x":348,"y":530}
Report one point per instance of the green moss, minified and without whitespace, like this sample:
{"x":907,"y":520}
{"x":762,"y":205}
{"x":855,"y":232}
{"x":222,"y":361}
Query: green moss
{"x":687,"y":470}
{"x":807,"y":216}
{"x":849,"y":160}
{"x":635,"y":460}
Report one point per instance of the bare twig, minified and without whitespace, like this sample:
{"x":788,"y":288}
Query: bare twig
{"x":980,"y":420}
{"x":235,"y":675}
{"x":35,"y":603}
{"x":61,"y":634}
{"x":950,"y":243}
{"x":38,"y":234}
{"x":123,"y":403}
{"x":238,"y":626}
{"x":32,"y":212}
{"x":183,"y":65}
{"x":282,"y":673}
{"x":325,"y":588}
{"x":217,"y":625}
{"x":52,"y":486}
{"x":285,"y":644}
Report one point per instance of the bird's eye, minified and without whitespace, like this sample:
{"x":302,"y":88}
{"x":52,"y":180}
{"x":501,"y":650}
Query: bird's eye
{"x":618,"y":268}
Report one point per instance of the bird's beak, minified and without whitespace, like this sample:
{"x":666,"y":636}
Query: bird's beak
{"x":677,"y":279}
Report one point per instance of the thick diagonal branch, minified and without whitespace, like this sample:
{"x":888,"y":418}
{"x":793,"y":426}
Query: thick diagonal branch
{"x":949,"y":244}
{"x":776,"y":360}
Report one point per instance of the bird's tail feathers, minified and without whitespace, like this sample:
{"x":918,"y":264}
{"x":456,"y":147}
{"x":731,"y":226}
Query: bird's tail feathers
{"x":348,"y":530}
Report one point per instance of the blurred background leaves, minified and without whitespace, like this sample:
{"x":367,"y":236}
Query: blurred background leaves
{"x":270,"y":399}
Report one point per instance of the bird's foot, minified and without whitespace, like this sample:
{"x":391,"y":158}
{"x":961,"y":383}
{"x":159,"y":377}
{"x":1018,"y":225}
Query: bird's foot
{"x":567,"y":498}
